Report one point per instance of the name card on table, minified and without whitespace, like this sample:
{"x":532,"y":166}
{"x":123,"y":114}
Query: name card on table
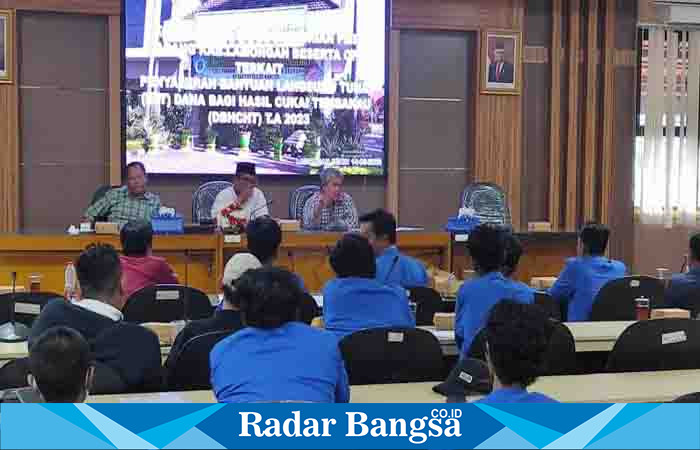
{"x":232,"y":238}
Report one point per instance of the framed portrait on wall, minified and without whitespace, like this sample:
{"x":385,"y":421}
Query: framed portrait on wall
{"x":6,"y":49}
{"x":501,"y":62}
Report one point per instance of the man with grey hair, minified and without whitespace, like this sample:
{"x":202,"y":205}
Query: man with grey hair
{"x":330,"y":209}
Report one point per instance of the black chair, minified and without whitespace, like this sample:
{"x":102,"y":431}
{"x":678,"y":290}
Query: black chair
{"x":560,"y":358}
{"x":298,"y":199}
{"x":203,"y":200}
{"x":688,"y":398}
{"x":616,"y":299}
{"x":167,"y":303}
{"x":190,"y":370}
{"x":489,"y":203}
{"x":549,"y":305}
{"x":664,"y":344}
{"x":308,"y":310}
{"x":428,"y":302}
{"x":27,"y":305}
{"x":392,"y":355}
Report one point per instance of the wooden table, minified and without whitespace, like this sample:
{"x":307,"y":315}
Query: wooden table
{"x":14,"y":350}
{"x":198,"y":259}
{"x":634,"y":387}
{"x":588,"y":336}
{"x":306,"y":253}
{"x":544,"y":254}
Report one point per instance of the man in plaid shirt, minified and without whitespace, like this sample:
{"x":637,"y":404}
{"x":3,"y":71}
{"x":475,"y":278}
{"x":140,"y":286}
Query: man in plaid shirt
{"x":330,"y":208}
{"x":130,"y":202}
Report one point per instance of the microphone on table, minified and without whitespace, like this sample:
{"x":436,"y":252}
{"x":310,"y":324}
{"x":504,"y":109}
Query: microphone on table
{"x":12,"y":331}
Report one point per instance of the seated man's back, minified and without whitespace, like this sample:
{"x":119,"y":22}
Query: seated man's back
{"x":129,"y":349}
{"x":582,"y":277}
{"x":580,"y":282}
{"x":355,"y":300}
{"x":684,"y":288}
{"x":140,"y":268}
{"x":475,"y":300}
{"x":276,"y":358}
{"x":354,"y":304}
{"x":393,"y":268}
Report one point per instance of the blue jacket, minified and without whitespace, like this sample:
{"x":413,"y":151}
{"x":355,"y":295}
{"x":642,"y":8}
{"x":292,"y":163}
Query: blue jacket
{"x":516,"y":395}
{"x":354,"y":304}
{"x":291,"y":363}
{"x":683,"y":287}
{"x":393,"y":268}
{"x":475,"y":300}
{"x":579,"y":283}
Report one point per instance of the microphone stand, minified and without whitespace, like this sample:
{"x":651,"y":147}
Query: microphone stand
{"x":12,"y":331}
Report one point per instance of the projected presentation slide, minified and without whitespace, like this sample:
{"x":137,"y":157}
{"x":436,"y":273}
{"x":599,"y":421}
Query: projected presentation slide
{"x":291,"y":85}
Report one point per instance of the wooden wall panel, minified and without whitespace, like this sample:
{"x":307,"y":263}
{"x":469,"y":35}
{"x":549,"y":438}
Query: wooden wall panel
{"x":9,"y":149}
{"x":392,"y":188}
{"x":573,"y":127}
{"x":555,"y":141}
{"x":114,"y":49}
{"x":590,"y":151}
{"x":9,"y":158}
{"x":97,"y":7}
{"x":456,"y":14}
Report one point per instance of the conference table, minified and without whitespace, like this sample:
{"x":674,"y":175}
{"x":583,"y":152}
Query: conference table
{"x":199,"y":259}
{"x":588,"y":336}
{"x":631,"y":387}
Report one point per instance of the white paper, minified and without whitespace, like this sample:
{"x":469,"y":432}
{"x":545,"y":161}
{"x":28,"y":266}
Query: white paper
{"x":395,"y":337}
{"x":167,"y":295}
{"x":28,"y":308}
{"x":673,"y":338}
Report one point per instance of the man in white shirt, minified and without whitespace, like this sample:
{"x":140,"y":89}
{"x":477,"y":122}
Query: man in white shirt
{"x":243,"y":201}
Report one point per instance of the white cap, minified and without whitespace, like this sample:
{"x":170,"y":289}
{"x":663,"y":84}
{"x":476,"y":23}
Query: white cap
{"x":239,"y":264}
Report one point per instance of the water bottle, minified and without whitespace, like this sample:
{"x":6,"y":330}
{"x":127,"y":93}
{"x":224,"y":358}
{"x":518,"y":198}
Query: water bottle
{"x":70,"y":281}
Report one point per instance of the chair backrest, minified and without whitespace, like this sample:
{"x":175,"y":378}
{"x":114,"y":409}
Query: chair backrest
{"x":167,"y":303}
{"x":190,"y":370}
{"x":27,"y":305}
{"x":392,"y":355}
{"x":428,"y":302}
{"x":549,"y":305}
{"x":489,"y":203}
{"x":560,"y":358}
{"x":308,"y":310}
{"x":663,"y":344}
{"x":298,"y":199}
{"x":616,"y":299}
{"x":203,"y":199}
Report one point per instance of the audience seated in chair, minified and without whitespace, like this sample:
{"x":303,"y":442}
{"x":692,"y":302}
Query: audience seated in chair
{"x":514,"y":250}
{"x":393,"y":268}
{"x":128,"y":349}
{"x":60,"y":366}
{"x":684,"y":289}
{"x":276,"y":358}
{"x":227,"y":317}
{"x":264,"y":237}
{"x":516,"y":344}
{"x":140,"y":268}
{"x":355,"y":300}
{"x":476,"y":297}
{"x":583,"y":276}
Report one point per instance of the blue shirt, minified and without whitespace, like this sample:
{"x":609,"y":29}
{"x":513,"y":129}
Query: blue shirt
{"x":516,"y":395}
{"x":354,"y":304}
{"x":682,"y":289}
{"x":291,"y":363}
{"x":579,"y":283}
{"x":396,"y":269}
{"x":475,"y":300}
